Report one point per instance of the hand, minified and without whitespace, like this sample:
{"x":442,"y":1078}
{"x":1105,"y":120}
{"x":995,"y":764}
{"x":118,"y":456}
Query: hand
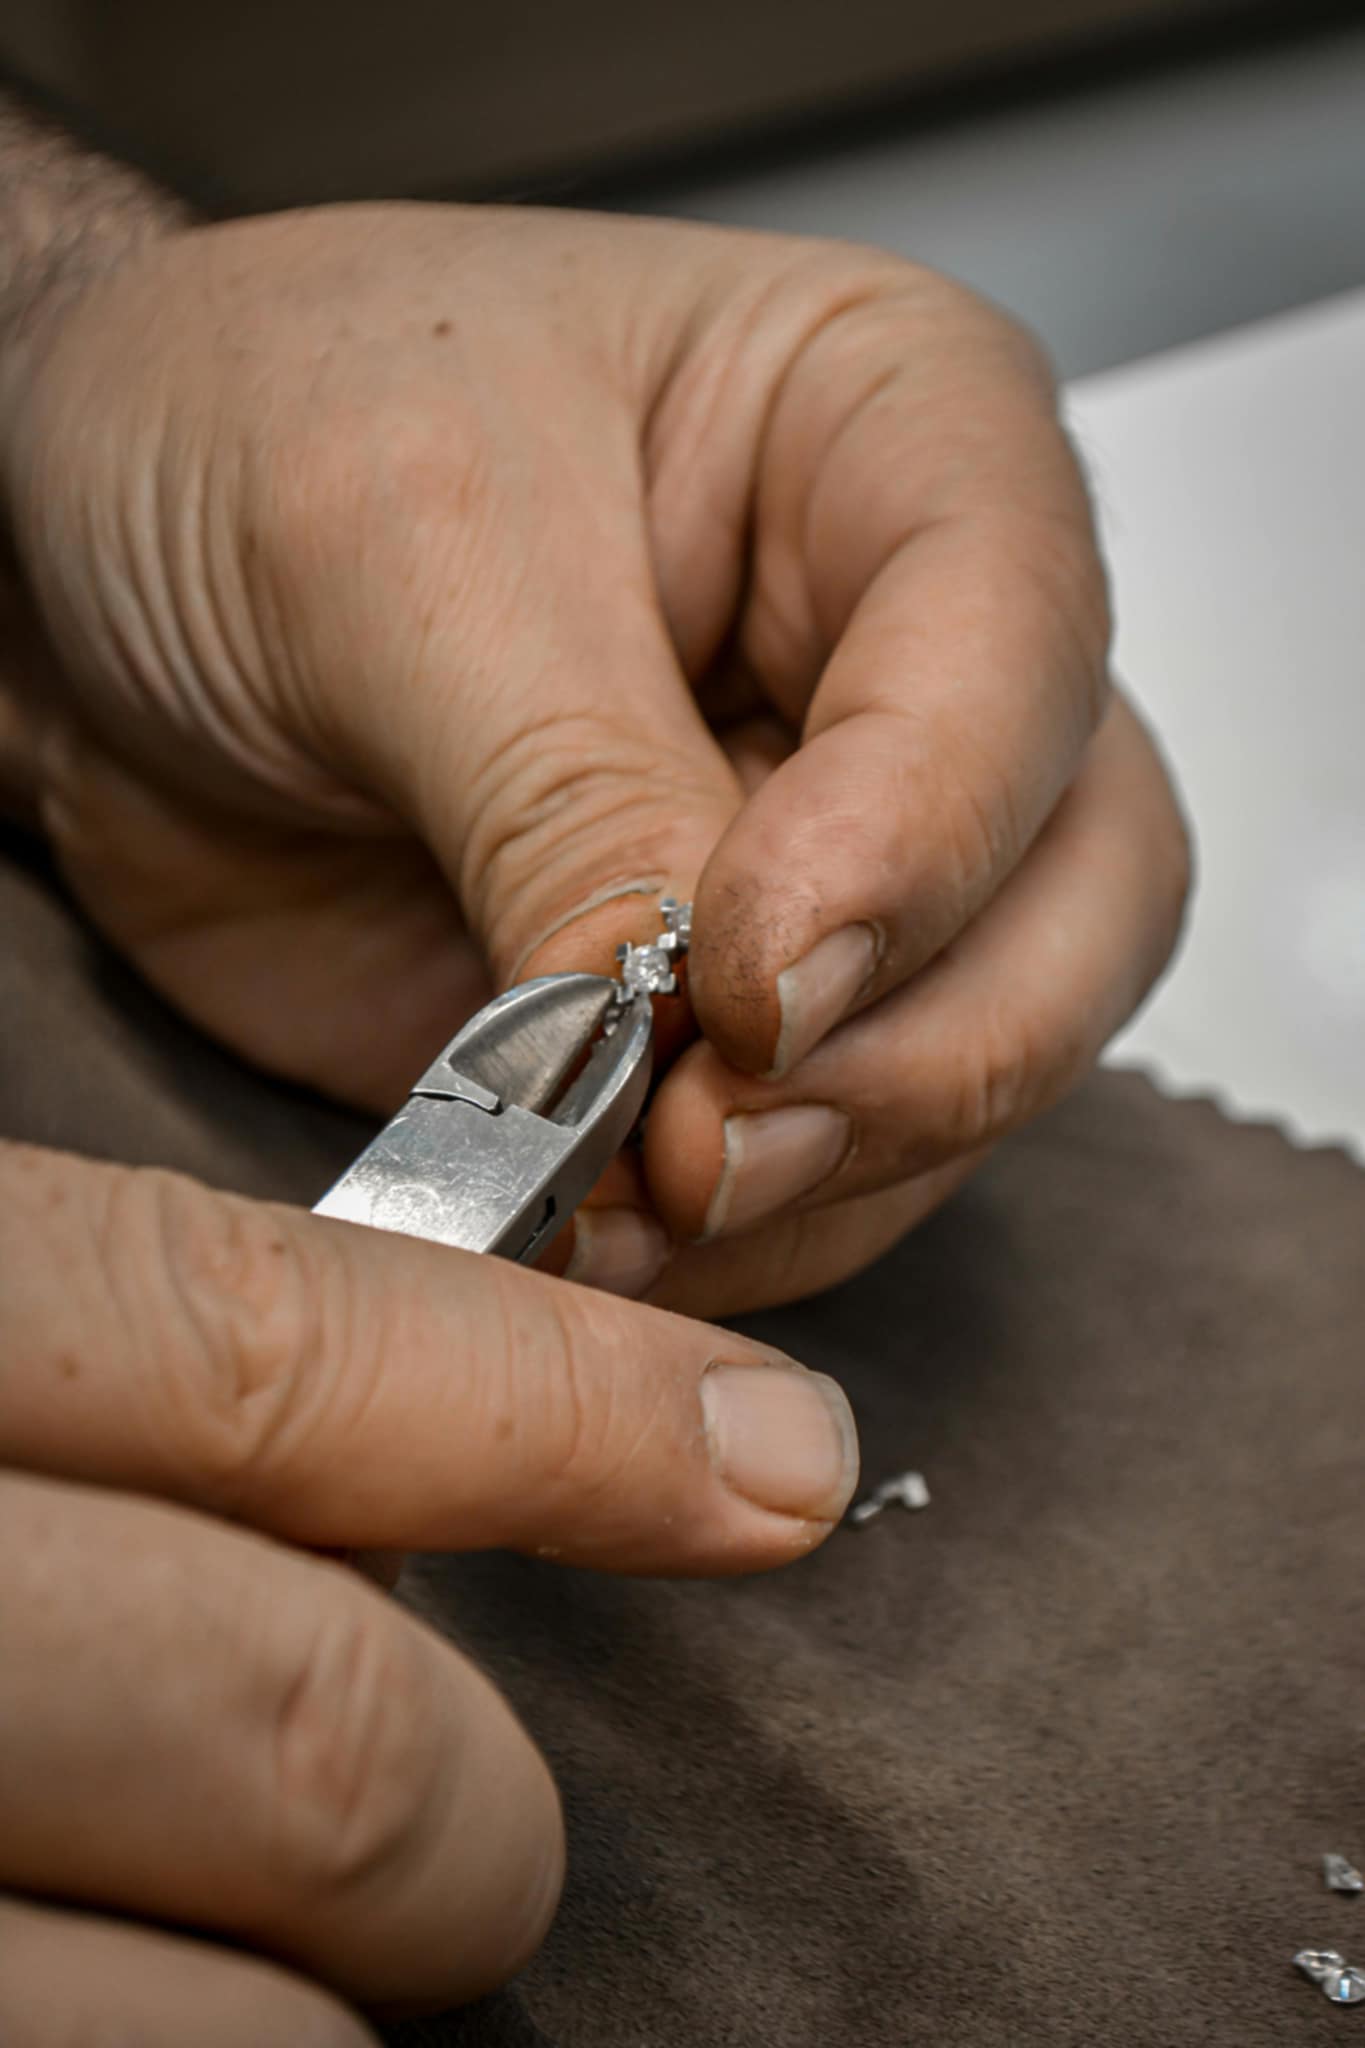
{"x":200,"y":1723}
{"x":424,"y":589}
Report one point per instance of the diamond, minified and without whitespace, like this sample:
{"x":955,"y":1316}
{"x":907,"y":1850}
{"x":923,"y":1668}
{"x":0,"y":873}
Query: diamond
{"x":1346,"y":1987}
{"x":646,"y":971}
{"x":1339,"y":1875}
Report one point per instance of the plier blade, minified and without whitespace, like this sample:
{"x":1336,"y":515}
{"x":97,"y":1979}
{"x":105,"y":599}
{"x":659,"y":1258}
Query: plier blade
{"x":509,"y":1128}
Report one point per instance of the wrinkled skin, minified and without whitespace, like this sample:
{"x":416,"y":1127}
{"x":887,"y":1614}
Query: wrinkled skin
{"x":410,"y":578}
{"x":203,"y":1723}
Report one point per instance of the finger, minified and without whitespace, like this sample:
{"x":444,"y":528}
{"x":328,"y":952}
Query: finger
{"x":71,"y":1977}
{"x":543,"y":740}
{"x":927,"y":595}
{"x":993,"y":1032}
{"x":339,"y":960}
{"x":803,"y":1251}
{"x":620,"y":1248}
{"x":202,"y":1727}
{"x":347,"y":1388}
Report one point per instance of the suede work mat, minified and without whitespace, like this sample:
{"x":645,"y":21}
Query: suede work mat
{"x":1053,"y":1761}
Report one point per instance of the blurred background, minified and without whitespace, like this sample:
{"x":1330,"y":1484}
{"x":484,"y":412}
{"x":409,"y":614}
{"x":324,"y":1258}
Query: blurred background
{"x":1124,"y":174}
{"x":1138,"y":180}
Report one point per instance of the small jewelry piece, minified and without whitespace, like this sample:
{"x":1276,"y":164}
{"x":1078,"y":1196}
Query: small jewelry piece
{"x":678,"y":918}
{"x":1341,"y":1876}
{"x":651,"y":970}
{"x":1337,"y":1979}
{"x":646,"y":971}
{"x":906,"y":1490}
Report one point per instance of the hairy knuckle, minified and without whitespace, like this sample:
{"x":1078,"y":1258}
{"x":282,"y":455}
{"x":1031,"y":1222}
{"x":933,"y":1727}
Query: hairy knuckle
{"x":356,"y":1752}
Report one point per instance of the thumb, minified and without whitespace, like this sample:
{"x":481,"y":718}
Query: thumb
{"x":342,"y":1387}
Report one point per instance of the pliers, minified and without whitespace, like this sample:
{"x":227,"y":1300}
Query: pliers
{"x":507,"y":1131}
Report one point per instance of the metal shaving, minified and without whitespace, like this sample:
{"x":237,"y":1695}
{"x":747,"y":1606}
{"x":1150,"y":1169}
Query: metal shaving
{"x":1339,"y":1875}
{"x":905,"y":1490}
{"x":1337,"y":1979}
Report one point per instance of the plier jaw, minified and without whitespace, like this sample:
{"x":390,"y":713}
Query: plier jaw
{"x":510,"y":1127}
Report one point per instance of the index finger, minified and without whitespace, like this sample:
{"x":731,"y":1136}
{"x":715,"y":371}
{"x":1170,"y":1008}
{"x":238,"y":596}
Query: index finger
{"x":928,"y":602}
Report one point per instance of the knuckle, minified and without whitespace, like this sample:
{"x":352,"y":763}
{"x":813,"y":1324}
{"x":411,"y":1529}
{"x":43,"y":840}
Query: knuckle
{"x":240,"y":1310}
{"x":863,"y":272}
{"x":356,"y":1752}
{"x":1069,"y":577}
{"x":980,"y":831}
{"x":1013,"y":346}
{"x":995,"y":1087}
{"x":1021,"y":349}
{"x":970,"y":326}
{"x":599,"y":1432}
{"x":582,"y":1410}
{"x":547,"y":800}
{"x":1055,"y":603}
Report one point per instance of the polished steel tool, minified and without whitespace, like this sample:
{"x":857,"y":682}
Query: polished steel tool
{"x":508,"y":1130}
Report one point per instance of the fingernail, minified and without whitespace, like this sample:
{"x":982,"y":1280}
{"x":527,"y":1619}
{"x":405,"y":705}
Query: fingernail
{"x":783,"y":1437}
{"x":819,"y":990}
{"x":771,"y":1157}
{"x":619,"y":1251}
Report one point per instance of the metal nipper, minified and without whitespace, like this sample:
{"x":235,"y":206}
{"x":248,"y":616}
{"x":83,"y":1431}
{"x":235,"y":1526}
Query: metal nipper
{"x":507,"y":1131}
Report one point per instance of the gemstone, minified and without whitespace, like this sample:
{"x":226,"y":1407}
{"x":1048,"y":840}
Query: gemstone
{"x":1346,"y":1987}
{"x":1341,"y":1876}
{"x":646,"y":971}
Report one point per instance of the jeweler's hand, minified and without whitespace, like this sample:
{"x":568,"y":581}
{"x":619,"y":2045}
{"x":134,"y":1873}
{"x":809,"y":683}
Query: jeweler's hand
{"x":202,"y":1724}
{"x":426,"y":589}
